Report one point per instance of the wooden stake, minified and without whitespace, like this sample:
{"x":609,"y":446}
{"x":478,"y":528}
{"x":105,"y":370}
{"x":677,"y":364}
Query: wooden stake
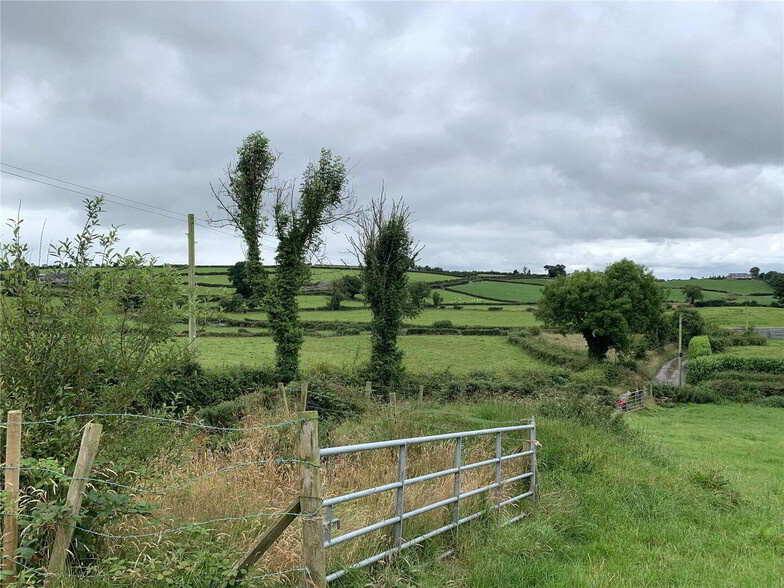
{"x":368,"y":389}
{"x":264,"y":541}
{"x":282,"y":390}
{"x":191,"y":280}
{"x":421,"y":394}
{"x":13,"y":457}
{"x":310,"y":498}
{"x":393,"y":403}
{"x":303,"y":396}
{"x":73,"y":502}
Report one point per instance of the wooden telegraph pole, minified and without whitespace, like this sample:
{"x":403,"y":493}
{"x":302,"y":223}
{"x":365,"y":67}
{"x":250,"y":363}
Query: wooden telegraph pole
{"x":191,"y":280}
{"x":680,"y":349}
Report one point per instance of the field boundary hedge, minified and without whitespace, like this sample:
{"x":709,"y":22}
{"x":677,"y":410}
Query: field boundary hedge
{"x":703,"y":368}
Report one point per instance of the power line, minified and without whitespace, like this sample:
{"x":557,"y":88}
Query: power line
{"x":29,"y":171}
{"x":89,"y":195}
{"x":108,"y":195}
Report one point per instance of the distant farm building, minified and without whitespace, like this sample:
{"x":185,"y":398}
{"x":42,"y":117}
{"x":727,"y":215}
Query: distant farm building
{"x":743,"y":276}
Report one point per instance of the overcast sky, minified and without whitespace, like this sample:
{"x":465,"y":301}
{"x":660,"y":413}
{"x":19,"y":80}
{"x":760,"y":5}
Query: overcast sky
{"x":519,"y":134}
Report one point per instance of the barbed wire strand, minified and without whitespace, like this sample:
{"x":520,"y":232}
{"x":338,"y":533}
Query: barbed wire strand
{"x":173,"y":529}
{"x":161,"y":419}
{"x":185,"y":484}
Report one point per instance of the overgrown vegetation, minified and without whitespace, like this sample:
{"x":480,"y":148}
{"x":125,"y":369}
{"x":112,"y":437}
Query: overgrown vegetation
{"x":240,"y":199}
{"x":322,"y":200}
{"x":386,"y":252}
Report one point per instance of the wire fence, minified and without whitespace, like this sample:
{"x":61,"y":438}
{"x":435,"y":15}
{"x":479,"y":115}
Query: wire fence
{"x":371,"y":407}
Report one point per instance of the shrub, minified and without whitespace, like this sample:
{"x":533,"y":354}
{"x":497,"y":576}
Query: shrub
{"x":457,"y":307}
{"x":699,"y":346}
{"x":495,"y":308}
{"x":443,"y":324}
{"x":772,"y":401}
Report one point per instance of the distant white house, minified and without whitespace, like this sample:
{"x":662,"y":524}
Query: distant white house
{"x":742,"y":276}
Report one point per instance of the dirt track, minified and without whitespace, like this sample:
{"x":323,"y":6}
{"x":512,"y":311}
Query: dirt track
{"x":668,"y":374}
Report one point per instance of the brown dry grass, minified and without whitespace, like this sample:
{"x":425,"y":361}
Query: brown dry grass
{"x":269,"y":488}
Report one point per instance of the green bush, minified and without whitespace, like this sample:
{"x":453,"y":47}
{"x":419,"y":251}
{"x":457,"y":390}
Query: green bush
{"x":443,"y":324}
{"x":702,"y":368}
{"x":495,"y":308}
{"x":699,"y":346}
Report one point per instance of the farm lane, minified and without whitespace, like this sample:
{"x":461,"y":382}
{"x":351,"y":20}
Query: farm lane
{"x":668,"y":374}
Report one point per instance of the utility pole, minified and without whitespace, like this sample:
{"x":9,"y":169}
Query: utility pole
{"x":191,"y":280}
{"x":680,"y":349}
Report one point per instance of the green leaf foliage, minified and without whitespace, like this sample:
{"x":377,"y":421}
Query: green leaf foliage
{"x":699,"y":346}
{"x":386,"y":252}
{"x":607,"y":308}
{"x":322,"y":200}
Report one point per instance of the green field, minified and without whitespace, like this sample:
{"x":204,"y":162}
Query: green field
{"x":451,"y":297}
{"x":732,"y":286}
{"x":741,"y":316}
{"x":424,"y":353}
{"x":510,"y":316}
{"x":774,"y":348}
{"x":697,"y":499}
{"x":502,"y":291}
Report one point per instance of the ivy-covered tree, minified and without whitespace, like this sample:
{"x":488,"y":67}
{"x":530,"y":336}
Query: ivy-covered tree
{"x":299,"y":219}
{"x":240,"y":199}
{"x":607,"y":308}
{"x":386,"y":252}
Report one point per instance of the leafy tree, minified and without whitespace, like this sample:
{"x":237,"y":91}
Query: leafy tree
{"x":554,"y":271}
{"x":351,"y":285}
{"x":693,"y":324}
{"x":693,"y":293}
{"x":241,"y":201}
{"x":386,"y":251}
{"x":605,"y":307}
{"x":336,"y":296}
{"x":438,"y":299}
{"x":299,"y":221}
{"x":776,"y":281}
{"x":418,"y":292}
{"x":755,"y":272}
{"x":238,"y":277}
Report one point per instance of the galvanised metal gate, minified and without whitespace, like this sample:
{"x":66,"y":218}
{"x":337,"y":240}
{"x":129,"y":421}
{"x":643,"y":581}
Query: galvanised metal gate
{"x":403,"y":482}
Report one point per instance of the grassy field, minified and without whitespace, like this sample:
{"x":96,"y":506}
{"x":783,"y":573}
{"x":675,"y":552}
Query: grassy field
{"x":510,"y":316}
{"x":733,"y":286}
{"x":451,"y":297}
{"x":774,"y":348}
{"x":667,"y":509}
{"x":727,"y":316}
{"x":424,"y":353}
{"x":503,"y":291}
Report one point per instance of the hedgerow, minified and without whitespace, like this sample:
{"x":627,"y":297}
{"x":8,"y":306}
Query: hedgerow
{"x":702,"y":368}
{"x":549,"y":353}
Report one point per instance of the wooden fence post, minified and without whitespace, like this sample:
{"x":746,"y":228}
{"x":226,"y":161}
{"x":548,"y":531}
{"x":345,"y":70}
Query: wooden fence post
{"x":393,"y":404}
{"x":368,"y":389}
{"x":303,"y":395}
{"x":13,"y":457}
{"x":73,"y":502}
{"x":310,"y":498}
{"x":421,"y":394}
{"x":282,"y":390}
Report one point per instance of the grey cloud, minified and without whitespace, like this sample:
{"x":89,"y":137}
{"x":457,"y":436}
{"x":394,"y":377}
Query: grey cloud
{"x":518,"y":133}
